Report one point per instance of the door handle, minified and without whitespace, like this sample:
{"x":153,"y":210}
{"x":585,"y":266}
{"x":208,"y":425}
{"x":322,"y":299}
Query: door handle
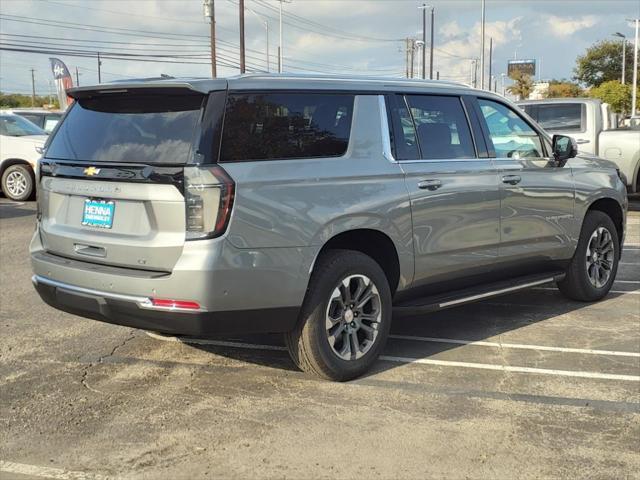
{"x":581,"y":141}
{"x":429,"y":184}
{"x":511,"y":179}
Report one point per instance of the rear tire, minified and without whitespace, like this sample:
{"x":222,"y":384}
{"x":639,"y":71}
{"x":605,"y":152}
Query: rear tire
{"x":17,"y":182}
{"x":594,"y":265}
{"x":345,"y":318}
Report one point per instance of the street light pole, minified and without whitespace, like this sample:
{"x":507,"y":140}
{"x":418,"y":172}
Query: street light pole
{"x":634,"y":87}
{"x":266,"y":27}
{"x":424,"y":41}
{"x":280,"y":48}
{"x":482,"y":48}
{"x":624,"y":53}
{"x":431,"y":46}
{"x":242,"y":57}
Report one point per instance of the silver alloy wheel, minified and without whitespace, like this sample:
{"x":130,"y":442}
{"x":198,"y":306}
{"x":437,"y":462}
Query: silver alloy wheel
{"x":16,"y":183}
{"x":600,"y":257}
{"x":353,"y":317}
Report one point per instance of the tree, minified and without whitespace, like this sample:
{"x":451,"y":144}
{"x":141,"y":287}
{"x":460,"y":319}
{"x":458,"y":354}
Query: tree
{"x":523,"y":85}
{"x":603,"y":62}
{"x":615,"y":94}
{"x":563,"y":89}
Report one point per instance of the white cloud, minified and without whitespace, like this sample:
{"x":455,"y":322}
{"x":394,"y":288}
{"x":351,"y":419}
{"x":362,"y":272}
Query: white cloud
{"x":565,"y":27}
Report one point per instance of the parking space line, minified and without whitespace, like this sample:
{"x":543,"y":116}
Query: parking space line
{"x":47,"y":472}
{"x":632,"y":292}
{"x":512,"y":369}
{"x":629,"y":263}
{"x":423,"y":361}
{"x":519,"y":346}
{"x":626,"y":281}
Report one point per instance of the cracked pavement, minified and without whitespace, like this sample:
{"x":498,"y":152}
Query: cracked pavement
{"x":112,"y":402}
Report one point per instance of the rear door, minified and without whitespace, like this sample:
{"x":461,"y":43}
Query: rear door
{"x":453,"y":190}
{"x":111,"y":179}
{"x":536,"y":195}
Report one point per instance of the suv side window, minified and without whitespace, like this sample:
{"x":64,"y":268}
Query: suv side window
{"x":512,"y":137}
{"x":270,"y":126}
{"x":442,"y":126}
{"x":405,"y":142}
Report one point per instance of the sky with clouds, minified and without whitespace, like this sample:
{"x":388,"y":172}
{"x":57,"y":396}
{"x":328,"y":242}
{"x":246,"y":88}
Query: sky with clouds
{"x":332,"y":36}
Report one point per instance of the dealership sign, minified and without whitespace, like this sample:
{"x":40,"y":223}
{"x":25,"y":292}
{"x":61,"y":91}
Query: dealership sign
{"x":527,"y":67}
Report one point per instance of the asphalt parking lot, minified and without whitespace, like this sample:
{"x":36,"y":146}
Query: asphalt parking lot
{"x":528,"y":385}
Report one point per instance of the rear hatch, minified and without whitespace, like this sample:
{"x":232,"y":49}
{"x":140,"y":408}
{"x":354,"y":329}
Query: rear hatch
{"x":112,"y":180}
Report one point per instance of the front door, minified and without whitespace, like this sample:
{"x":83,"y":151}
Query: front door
{"x":537,"y":196}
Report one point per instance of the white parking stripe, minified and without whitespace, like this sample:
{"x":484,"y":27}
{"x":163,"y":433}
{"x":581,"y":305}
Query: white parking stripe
{"x":520,"y":346}
{"x":627,"y":281}
{"x":511,"y":369}
{"x":424,"y":361}
{"x":47,"y":472}
{"x":633,"y":292}
{"x":628,"y":263}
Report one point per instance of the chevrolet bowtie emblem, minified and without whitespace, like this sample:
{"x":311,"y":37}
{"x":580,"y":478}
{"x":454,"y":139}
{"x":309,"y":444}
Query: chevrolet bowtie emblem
{"x":91,"y":171}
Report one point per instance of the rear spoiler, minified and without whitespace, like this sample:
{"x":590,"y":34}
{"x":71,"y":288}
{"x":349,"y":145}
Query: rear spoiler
{"x":159,"y":86}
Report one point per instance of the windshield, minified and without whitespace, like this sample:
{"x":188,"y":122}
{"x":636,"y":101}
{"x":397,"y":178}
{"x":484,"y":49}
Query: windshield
{"x":150,"y":128}
{"x":15,"y":126}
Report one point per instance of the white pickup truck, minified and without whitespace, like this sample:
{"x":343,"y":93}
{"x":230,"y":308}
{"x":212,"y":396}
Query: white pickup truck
{"x":594,"y":127}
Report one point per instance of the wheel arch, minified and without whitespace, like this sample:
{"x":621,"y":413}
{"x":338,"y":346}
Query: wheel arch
{"x":9,"y":162}
{"x":374,"y":243}
{"x":613,"y":210}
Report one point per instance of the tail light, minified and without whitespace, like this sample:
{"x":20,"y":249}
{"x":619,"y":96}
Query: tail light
{"x":209,"y":193}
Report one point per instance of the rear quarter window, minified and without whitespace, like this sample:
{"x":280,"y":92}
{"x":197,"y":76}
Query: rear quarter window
{"x":274,"y":125}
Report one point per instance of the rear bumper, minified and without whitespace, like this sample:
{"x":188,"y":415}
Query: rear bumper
{"x":137,"y":312}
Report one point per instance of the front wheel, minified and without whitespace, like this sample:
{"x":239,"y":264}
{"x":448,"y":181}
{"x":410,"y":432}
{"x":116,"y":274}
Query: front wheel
{"x":593,"y":268}
{"x":345,"y":318}
{"x":17,"y":182}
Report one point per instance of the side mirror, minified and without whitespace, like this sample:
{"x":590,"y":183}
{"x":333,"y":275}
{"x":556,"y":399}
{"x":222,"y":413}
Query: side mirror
{"x":564,"y":148}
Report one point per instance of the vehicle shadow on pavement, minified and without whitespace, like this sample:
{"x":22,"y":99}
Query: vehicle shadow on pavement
{"x":14,"y":210}
{"x":474,"y":322}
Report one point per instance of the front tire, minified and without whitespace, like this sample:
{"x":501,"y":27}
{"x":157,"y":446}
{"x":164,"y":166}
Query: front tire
{"x":593,"y":268}
{"x":345,"y":318}
{"x":17,"y":182}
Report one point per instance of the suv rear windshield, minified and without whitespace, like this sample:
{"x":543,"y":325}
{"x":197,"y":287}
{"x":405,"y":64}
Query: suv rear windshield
{"x":556,"y":116}
{"x":265,"y":126}
{"x":154,"y":128}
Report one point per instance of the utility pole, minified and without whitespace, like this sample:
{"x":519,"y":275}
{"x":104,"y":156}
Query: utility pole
{"x":209,"y":12}
{"x":77,"y":78}
{"x":33,"y":88}
{"x":437,"y":75}
{"x":412,"y":52}
{"x":406,"y":56}
{"x":482,"y":49}
{"x":634,"y":87}
{"x":490,"y":59}
{"x":280,"y":47}
{"x":624,"y":52}
{"x":502,"y":75}
{"x":431,"y":45}
{"x":424,"y":41}
{"x":242,"y":57}
{"x":99,"y":65}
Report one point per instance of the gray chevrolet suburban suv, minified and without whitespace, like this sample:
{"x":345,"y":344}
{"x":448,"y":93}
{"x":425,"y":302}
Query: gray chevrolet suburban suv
{"x":312,"y":206}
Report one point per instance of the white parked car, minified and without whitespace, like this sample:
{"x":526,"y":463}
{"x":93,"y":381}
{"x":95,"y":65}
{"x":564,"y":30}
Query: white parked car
{"x":594,"y":127}
{"x":20,"y":145}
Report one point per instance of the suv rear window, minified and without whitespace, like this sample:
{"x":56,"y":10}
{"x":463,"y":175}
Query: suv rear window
{"x":557,"y":117}
{"x":129,"y":129}
{"x":266,"y":126}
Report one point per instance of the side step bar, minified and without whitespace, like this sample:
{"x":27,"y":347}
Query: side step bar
{"x":468,"y":295}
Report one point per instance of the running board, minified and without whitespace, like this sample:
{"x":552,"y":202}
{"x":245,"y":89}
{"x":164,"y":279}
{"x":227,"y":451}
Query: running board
{"x":468,"y":295}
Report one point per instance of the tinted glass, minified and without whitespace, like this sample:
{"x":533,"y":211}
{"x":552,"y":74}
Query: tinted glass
{"x":559,"y":117}
{"x":403,"y":130}
{"x":512,"y":137}
{"x":16,"y":126}
{"x":129,"y":129}
{"x":443,"y":130}
{"x":262,"y":126}
{"x":36,"y":119}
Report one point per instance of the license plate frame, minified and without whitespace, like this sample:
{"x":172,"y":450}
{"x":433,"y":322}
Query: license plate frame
{"x":98,"y":213}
